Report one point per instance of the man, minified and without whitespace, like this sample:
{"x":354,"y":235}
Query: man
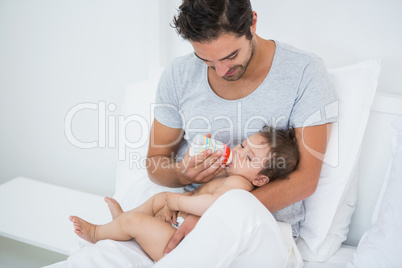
{"x":234,"y":83}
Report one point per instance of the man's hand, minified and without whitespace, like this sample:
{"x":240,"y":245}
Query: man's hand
{"x":167,"y":215}
{"x":200,"y":168}
{"x":163,"y":148}
{"x":185,"y":228}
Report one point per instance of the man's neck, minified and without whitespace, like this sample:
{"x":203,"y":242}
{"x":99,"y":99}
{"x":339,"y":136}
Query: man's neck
{"x":262,"y":54}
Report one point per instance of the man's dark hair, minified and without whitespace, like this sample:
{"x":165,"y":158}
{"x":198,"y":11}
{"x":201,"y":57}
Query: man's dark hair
{"x":283,"y":154}
{"x":206,"y":20}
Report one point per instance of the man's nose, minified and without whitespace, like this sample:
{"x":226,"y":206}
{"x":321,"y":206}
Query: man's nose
{"x":221,"y":69}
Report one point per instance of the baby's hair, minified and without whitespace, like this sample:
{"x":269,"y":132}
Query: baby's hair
{"x":283,"y":155}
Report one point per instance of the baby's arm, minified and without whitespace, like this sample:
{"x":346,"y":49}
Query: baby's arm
{"x":198,"y":204}
{"x":167,"y":214}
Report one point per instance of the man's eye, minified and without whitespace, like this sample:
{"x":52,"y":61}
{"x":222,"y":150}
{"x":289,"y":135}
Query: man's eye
{"x":232,"y":58}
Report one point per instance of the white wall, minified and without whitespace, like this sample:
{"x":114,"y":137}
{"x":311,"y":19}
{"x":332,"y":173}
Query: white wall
{"x":341,"y":32}
{"x":53,"y":56}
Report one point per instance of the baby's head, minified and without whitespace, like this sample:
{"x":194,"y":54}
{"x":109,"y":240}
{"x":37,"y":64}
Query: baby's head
{"x":265,"y":156}
{"x":283,"y":155}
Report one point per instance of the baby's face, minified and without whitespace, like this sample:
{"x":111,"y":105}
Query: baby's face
{"x":248,"y":158}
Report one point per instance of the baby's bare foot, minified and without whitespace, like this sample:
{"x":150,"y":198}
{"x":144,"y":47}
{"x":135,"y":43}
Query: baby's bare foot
{"x":114,"y":207}
{"x":84,"y":229}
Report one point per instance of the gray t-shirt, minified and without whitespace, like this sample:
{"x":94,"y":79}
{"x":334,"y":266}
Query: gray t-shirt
{"x":295,"y":93}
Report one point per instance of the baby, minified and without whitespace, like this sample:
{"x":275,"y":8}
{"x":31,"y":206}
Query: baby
{"x":263,"y":157}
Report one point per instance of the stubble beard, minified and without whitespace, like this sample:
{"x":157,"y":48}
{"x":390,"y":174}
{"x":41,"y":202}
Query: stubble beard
{"x":241,"y":68}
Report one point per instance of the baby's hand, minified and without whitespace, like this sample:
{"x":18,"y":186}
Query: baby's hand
{"x":167,"y":215}
{"x":172,"y":200}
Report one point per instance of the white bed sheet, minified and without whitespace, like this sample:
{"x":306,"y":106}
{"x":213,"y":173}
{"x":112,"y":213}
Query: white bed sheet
{"x":339,"y":260}
{"x":107,"y":250}
{"x":106,"y":254}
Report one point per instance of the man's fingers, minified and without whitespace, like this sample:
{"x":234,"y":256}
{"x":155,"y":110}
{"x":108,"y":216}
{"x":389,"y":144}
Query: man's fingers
{"x":199,"y":162}
{"x":218,"y":170}
{"x":174,"y":241}
{"x":210,"y":173}
{"x":199,"y":173}
{"x":200,"y":167}
{"x":175,"y":218}
{"x":201,"y":157}
{"x":212,"y":160}
{"x":185,"y":228}
{"x":205,"y":160}
{"x":195,"y":160}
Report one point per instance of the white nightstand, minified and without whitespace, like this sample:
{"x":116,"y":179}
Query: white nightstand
{"x":37,"y":213}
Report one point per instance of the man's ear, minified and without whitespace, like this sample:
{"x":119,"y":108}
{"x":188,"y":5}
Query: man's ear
{"x":261,"y":180}
{"x":253,"y":27}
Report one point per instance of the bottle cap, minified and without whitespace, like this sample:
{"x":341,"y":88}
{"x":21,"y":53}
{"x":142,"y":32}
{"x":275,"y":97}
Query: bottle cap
{"x":228,"y":155}
{"x":229,"y":158}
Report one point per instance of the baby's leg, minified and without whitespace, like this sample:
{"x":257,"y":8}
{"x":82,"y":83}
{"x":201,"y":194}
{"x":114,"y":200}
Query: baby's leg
{"x":153,"y":204}
{"x":152,"y":234}
{"x":87,"y":231}
{"x":114,"y":207}
{"x":93,"y":233}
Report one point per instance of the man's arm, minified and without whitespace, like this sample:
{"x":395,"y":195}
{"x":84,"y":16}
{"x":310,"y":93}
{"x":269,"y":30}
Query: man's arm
{"x":162,"y":166}
{"x":162,"y":150}
{"x":312,"y":143}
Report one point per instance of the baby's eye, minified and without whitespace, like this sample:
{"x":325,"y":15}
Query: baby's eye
{"x":248,"y":157}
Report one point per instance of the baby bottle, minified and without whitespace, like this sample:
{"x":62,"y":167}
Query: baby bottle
{"x":201,"y":143}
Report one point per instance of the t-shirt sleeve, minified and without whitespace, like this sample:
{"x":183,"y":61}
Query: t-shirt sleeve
{"x":315,"y":102}
{"x":167,"y":106}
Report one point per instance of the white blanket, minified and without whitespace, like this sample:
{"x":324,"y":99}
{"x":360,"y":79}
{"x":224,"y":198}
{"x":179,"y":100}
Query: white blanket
{"x":108,"y":253}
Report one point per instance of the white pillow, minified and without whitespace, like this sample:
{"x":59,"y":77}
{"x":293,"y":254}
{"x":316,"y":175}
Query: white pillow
{"x":330,"y":208}
{"x":381,"y":246}
{"x":133,"y":185}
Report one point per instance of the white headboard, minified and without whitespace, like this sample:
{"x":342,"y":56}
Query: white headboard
{"x":375,"y":156}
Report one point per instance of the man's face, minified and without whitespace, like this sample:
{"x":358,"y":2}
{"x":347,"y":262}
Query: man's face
{"x":228,"y":55}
